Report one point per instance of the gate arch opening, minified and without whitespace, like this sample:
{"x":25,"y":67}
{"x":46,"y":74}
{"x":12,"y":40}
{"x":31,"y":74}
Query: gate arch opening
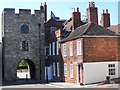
{"x":26,"y":70}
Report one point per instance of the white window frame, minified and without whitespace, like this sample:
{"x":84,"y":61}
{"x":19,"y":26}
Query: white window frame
{"x":57,"y":46}
{"x":50,"y":49}
{"x":54,"y":73}
{"x":46,"y":50}
{"x":111,"y":70}
{"x":58,"y":69}
{"x":71,"y":49}
{"x":65,"y":69}
{"x":45,"y":72}
{"x":79,"y":47}
{"x":53,"y":48}
{"x":71,"y":70}
{"x":64,"y":50}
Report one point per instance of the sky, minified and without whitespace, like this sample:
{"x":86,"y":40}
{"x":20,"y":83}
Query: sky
{"x":64,"y":8}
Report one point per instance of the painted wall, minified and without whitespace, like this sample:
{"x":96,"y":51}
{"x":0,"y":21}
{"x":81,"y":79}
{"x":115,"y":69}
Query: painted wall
{"x":97,"y":71}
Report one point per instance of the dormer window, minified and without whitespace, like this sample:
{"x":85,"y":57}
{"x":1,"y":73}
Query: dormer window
{"x":24,"y":29}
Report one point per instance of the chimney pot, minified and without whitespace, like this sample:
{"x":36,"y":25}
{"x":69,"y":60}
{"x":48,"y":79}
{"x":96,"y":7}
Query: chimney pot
{"x":93,"y":4}
{"x":89,"y":4}
{"x":77,"y":9}
{"x":107,"y":11}
{"x":74,"y":9}
{"x":103,"y":11}
{"x":45,"y":3}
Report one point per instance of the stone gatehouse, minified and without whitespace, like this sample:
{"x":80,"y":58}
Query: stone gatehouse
{"x":23,"y":38}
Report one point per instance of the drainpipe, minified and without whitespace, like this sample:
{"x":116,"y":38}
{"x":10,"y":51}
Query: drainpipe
{"x":40,"y":48}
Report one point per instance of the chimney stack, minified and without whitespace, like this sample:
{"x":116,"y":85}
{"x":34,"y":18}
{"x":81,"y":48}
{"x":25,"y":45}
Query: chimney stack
{"x":92,"y":13}
{"x":45,"y":7}
{"x":76,"y":19}
{"x":41,"y":7}
{"x":105,"y":19}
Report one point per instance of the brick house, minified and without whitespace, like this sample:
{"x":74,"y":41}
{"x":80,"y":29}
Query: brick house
{"x":53,"y":34}
{"x":83,"y":52}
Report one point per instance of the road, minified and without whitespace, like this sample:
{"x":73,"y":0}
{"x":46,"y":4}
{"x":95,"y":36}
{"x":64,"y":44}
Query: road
{"x":61,"y":85}
{"x":32,"y":86}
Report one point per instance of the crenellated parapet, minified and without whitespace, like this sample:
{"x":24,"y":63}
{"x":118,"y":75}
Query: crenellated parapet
{"x":22,"y":11}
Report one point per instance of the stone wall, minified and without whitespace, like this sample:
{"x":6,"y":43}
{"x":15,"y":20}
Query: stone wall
{"x":13,"y":38}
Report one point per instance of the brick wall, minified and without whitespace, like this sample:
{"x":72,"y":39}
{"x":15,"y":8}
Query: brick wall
{"x":100,"y":49}
{"x":71,"y":60}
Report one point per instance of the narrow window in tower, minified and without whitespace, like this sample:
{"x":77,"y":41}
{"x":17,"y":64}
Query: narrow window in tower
{"x":24,"y":45}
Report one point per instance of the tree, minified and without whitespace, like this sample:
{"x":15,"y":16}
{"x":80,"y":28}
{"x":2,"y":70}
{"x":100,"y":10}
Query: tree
{"x":23,"y":65}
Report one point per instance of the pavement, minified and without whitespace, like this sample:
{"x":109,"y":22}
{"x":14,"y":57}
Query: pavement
{"x":60,"y":85}
{"x":74,"y":85}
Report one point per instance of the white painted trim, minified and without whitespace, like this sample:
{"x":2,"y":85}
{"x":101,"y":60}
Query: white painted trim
{"x":64,"y":50}
{"x":71,"y":49}
{"x":58,"y":69}
{"x":57,"y":46}
{"x":54,"y":73}
{"x":50,"y":49}
{"x":71,"y":71}
{"x":79,"y":47}
{"x":53,"y":48}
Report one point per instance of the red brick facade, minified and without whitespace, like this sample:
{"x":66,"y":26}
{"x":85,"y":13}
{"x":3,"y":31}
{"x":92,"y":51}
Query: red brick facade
{"x":100,"y":49}
{"x":94,"y":49}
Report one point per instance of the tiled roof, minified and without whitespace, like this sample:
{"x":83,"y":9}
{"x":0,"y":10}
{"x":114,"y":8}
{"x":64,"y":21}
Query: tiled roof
{"x":115,"y":28}
{"x":52,"y":22}
{"x":89,"y":29}
{"x":68,"y":24}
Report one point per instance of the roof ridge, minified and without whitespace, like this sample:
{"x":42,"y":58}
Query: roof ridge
{"x":87,"y":27}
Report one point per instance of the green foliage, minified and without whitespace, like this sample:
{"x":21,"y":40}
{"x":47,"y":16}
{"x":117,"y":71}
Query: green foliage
{"x":23,"y":65}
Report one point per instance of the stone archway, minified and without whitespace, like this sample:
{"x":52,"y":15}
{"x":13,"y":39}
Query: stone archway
{"x":30,"y":69}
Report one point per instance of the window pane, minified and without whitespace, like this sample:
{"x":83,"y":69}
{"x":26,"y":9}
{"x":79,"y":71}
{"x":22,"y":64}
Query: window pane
{"x":58,"y":69}
{"x":71,"y":48}
{"x":24,"y":45}
{"x":52,"y":29}
{"x":54,"y":73}
{"x":50,"y":49}
{"x":71,"y":70}
{"x":24,"y":29}
{"x":65,"y":69}
{"x":79,"y":48}
{"x":64,"y":50}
